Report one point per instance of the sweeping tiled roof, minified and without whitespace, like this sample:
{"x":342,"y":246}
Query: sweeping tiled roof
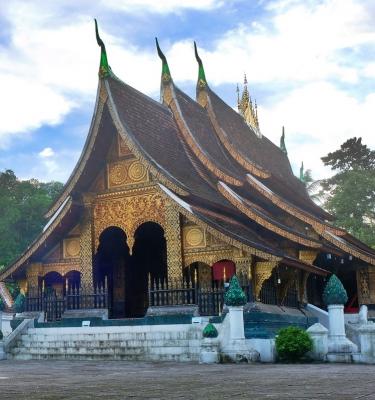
{"x":214,"y":166}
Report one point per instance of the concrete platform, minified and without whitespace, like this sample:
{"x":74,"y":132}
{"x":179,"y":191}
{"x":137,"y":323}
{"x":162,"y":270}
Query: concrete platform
{"x":79,"y":380}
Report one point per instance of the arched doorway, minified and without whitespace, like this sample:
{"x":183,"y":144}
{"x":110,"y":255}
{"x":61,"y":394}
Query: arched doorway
{"x":149,"y":257}
{"x":223,"y":270}
{"x":53,"y":281}
{"x":72,"y":280}
{"x":200,"y":271}
{"x":112,"y":262}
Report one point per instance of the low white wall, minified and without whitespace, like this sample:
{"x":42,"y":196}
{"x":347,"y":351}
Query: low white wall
{"x":265,"y":347}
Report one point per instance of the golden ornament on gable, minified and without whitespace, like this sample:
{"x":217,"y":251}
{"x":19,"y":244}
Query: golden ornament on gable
{"x":194,"y":237}
{"x":137,"y":172}
{"x":71,"y":248}
{"x":117,"y":174}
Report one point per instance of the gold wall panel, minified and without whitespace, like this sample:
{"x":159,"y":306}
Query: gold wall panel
{"x":126,"y":172}
{"x":71,"y":248}
{"x":194,"y":237}
{"x":128,"y":211}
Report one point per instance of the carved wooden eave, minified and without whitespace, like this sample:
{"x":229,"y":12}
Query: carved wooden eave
{"x":170,"y":99}
{"x":101,"y":98}
{"x":205,"y":101}
{"x":217,"y":231}
{"x":348,"y":248}
{"x":291,"y":209}
{"x":238,"y":202}
{"x":55,"y":221}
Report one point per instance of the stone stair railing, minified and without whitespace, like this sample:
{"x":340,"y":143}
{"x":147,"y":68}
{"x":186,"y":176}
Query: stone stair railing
{"x":5,"y":295}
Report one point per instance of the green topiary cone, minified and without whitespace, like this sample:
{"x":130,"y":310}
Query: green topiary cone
{"x":334,"y":292}
{"x":210,"y":331}
{"x":235,"y":295}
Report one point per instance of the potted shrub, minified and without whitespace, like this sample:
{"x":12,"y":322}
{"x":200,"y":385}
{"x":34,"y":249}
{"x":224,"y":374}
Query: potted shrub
{"x":209,"y":347}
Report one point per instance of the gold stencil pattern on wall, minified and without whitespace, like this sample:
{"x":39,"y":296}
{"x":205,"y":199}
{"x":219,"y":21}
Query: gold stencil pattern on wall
{"x":194,"y":237}
{"x":137,"y":172}
{"x":126,"y":172}
{"x":71,"y":248}
{"x":117,"y":174}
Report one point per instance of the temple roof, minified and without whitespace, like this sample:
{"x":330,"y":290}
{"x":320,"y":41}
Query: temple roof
{"x":211,"y":163}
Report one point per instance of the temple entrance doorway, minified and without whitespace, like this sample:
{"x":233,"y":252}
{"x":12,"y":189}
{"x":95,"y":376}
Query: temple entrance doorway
{"x":149,"y":261}
{"x":112,"y":264}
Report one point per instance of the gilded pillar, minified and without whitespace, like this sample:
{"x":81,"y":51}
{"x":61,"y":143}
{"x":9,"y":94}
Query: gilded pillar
{"x":263,"y":271}
{"x":173,"y":238}
{"x":86,"y":245}
{"x":363,"y":286}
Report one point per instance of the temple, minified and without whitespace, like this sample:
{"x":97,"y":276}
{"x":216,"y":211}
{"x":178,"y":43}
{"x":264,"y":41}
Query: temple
{"x":169,"y":199}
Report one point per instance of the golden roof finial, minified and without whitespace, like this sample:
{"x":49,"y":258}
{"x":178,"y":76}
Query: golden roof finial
{"x":238,"y":97}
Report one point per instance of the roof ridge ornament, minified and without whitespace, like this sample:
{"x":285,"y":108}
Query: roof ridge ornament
{"x":247,"y":108}
{"x":202,"y":82}
{"x":282,"y":142}
{"x":165,"y":72}
{"x":104,"y":68}
{"x":302,"y":173}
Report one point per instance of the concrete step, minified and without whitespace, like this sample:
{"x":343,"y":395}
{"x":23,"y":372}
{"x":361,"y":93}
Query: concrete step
{"x":114,"y":336}
{"x":28,"y":343}
{"x":147,"y":343}
{"x":123,"y":357}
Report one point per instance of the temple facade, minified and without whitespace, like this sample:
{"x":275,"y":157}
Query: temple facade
{"x":182,"y":194}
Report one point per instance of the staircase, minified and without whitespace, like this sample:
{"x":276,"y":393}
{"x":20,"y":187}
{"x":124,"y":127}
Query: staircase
{"x":131,"y":343}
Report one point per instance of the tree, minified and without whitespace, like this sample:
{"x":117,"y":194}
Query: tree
{"x":350,"y":193}
{"x":22,"y":206}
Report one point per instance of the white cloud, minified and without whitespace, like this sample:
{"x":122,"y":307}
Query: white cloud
{"x":46,"y":152}
{"x":162,"y":6}
{"x":308,"y":46}
{"x":318,"y":118}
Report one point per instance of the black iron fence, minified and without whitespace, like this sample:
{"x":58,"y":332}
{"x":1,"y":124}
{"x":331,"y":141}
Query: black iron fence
{"x":54,"y":303}
{"x":185,"y":291}
{"x":210,"y":298}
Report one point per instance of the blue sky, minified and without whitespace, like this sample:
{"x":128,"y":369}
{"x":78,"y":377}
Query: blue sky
{"x":310,"y":65}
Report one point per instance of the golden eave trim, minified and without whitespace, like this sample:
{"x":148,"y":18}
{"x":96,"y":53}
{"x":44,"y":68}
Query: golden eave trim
{"x":36,"y":245}
{"x":348,"y":249}
{"x":171,"y":101}
{"x":279,"y":202}
{"x":101,"y":99}
{"x":189,"y":213}
{"x":133,"y":147}
{"x":235,"y":200}
{"x":243,"y":161}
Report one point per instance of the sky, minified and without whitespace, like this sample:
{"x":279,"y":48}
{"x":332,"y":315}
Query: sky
{"x":310,"y":65}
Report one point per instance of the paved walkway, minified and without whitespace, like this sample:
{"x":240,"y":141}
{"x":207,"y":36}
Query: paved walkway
{"x":52,"y":380}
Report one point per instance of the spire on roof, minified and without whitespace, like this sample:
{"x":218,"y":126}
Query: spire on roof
{"x":302,"y":173}
{"x":202,"y":82}
{"x":165,"y":72}
{"x":104,"y":68}
{"x":247,"y":109}
{"x":282,"y":142}
{"x":238,"y":98}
